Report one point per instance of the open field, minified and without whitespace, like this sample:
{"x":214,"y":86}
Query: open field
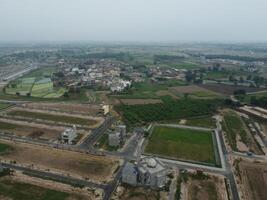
{"x":55,"y":117}
{"x":86,"y":109}
{"x":203,"y":187}
{"x":207,"y":122}
{"x":181,"y":144}
{"x":96,"y":168}
{"x":31,"y":130}
{"x":252,"y":178}
{"x":228,"y":89}
{"x":238,"y":135}
{"x":4,"y":148}
{"x":148,"y":90}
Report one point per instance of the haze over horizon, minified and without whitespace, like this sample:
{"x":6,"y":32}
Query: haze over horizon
{"x":133,"y":20}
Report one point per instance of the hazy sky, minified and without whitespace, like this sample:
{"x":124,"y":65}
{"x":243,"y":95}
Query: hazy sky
{"x":134,"y":20}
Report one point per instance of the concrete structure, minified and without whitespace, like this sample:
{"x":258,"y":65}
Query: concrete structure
{"x":69,"y":135}
{"x":117,"y":137}
{"x":149,"y":171}
{"x":114,"y":139}
{"x":104,"y":109}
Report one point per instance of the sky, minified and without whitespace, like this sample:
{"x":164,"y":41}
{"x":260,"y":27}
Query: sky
{"x":134,"y":20}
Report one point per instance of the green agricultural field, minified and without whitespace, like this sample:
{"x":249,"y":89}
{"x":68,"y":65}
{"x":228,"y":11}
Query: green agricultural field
{"x":181,"y":144}
{"x":20,"y":86}
{"x":148,"y":90}
{"x":233,"y":126}
{"x":54,"y":118}
{"x":10,"y":189}
{"x":207,"y":122}
{"x":4,"y":148}
{"x":4,"y":105}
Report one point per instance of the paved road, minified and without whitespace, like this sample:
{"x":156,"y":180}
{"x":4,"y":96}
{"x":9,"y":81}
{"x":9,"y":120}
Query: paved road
{"x":96,"y":134}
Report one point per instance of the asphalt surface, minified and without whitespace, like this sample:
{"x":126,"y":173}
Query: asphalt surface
{"x":96,"y":134}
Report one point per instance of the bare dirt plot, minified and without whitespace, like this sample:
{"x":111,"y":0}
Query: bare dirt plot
{"x":252,"y":179}
{"x":96,"y":168}
{"x":137,"y":193}
{"x":32,"y":130}
{"x":188,"y":89}
{"x":140,"y":101}
{"x":228,"y":89}
{"x":212,"y":188}
{"x":87,"y":109}
{"x":55,"y":117}
{"x":168,"y":92}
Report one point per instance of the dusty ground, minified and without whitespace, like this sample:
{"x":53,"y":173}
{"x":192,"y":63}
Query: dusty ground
{"x":204,"y":189}
{"x":167,"y":93}
{"x":252,"y":179}
{"x":34,"y":130}
{"x":189,"y":89}
{"x":140,"y":101}
{"x":77,"y":193}
{"x":87,"y":109}
{"x":96,"y":121}
{"x":96,"y":168}
{"x":137,"y":193}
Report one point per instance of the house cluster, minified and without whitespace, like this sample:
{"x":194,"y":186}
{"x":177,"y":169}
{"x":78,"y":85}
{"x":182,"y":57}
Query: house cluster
{"x":167,"y":73}
{"x":117,"y":137}
{"x":149,"y":172}
{"x":98,"y":73}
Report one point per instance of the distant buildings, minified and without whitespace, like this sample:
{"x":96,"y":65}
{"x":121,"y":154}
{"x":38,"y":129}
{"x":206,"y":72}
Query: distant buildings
{"x":69,"y":135}
{"x":149,"y":171}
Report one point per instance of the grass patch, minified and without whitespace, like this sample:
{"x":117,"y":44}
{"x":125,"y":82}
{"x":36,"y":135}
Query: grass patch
{"x":103,"y":144}
{"x":54,"y":118}
{"x":201,"y":122}
{"x":184,"y":144}
{"x":4,"y":148}
{"x":24,"y":191}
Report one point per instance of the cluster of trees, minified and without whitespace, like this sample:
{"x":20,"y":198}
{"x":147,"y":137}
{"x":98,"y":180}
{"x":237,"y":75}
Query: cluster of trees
{"x":168,"y":110}
{"x":261,"y":101}
{"x":234,"y":57}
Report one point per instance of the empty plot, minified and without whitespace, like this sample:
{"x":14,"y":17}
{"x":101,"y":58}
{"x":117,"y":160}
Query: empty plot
{"x":54,"y":117}
{"x":68,"y":162}
{"x":183,"y":144}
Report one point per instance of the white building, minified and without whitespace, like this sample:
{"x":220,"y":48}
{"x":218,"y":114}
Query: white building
{"x":149,"y":171}
{"x":69,"y":135}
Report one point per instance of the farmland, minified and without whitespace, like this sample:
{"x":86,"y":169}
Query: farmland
{"x":182,"y":144}
{"x":79,"y":165}
{"x":37,"y":83}
{"x":148,"y":90}
{"x":168,"y":110}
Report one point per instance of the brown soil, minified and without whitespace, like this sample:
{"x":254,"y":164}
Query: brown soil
{"x":87,"y":109}
{"x":96,"y":168}
{"x":188,"y":89}
{"x":207,"y":189}
{"x":253,"y":179}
